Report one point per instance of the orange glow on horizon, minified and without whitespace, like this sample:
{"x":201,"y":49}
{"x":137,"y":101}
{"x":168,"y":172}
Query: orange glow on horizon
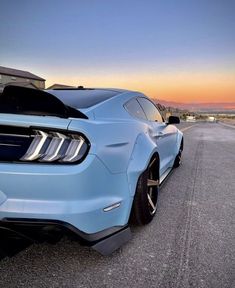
{"x":177,"y":87}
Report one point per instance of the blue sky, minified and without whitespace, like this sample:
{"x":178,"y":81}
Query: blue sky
{"x":66,"y":39}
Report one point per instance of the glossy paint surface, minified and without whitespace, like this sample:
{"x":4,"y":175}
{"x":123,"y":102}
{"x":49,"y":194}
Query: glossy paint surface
{"x":121,"y":148}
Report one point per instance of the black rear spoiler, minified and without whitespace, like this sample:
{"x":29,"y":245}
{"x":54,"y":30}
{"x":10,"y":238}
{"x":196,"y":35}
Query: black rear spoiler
{"x":28,"y":101}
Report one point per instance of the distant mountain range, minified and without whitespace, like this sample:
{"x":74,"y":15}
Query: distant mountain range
{"x":202,"y":107}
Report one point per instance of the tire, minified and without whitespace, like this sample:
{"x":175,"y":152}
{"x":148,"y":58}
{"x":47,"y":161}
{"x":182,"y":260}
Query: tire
{"x":178,"y":158}
{"x":145,"y":201}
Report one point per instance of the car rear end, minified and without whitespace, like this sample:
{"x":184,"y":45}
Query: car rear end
{"x":51,"y":177}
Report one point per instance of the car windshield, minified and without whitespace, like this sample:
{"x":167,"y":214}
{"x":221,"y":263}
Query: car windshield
{"x":83,"y":98}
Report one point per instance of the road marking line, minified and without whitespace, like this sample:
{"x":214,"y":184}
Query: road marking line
{"x":232,"y":126}
{"x":186,"y":128}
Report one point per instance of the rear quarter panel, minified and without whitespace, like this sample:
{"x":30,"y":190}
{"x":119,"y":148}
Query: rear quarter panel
{"x":111,"y":141}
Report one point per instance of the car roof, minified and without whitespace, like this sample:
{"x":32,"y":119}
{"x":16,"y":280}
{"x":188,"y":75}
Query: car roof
{"x":82,"y":98}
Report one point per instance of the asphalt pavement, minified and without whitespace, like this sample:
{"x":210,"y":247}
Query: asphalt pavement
{"x":190,"y":242}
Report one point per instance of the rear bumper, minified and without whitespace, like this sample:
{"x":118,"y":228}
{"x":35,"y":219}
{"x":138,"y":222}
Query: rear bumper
{"x":76,"y":195}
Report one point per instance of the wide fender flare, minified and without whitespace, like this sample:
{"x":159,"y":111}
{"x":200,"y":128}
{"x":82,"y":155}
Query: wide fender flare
{"x":144,"y":149}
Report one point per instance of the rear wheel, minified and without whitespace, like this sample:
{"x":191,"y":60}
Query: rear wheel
{"x":145,"y":201}
{"x":178,"y":158}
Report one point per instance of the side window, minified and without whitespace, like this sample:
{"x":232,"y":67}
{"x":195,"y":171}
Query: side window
{"x":150,"y":110}
{"x":134,"y":108}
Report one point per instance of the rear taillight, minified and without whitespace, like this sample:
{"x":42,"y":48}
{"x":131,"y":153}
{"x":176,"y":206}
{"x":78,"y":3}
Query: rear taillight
{"x":60,"y":147}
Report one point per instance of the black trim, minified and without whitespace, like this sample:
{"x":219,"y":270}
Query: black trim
{"x":15,"y":224}
{"x":17,"y":234}
{"x":73,"y":88}
{"x":112,"y":243}
{"x":173,"y":120}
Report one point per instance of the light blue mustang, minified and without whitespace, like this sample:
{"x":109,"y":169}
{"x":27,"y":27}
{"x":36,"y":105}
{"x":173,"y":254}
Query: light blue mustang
{"x":85,"y":160}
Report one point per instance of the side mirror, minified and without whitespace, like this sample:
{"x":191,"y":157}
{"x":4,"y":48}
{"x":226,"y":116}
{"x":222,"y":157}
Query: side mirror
{"x":173,"y":120}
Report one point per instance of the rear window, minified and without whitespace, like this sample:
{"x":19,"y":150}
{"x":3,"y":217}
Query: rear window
{"x":82,"y":98}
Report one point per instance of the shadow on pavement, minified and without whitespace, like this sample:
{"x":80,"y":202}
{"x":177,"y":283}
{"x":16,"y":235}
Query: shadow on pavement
{"x":11,"y":243}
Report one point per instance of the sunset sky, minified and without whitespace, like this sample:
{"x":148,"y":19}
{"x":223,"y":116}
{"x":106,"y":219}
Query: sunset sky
{"x":178,"y":50}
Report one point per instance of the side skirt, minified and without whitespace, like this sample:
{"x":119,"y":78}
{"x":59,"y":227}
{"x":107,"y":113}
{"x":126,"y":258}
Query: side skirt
{"x":165,"y":174}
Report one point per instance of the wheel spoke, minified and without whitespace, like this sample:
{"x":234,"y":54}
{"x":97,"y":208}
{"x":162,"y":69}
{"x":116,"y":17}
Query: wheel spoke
{"x":151,"y":202}
{"x":152,"y":182}
{"x":150,"y":165}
